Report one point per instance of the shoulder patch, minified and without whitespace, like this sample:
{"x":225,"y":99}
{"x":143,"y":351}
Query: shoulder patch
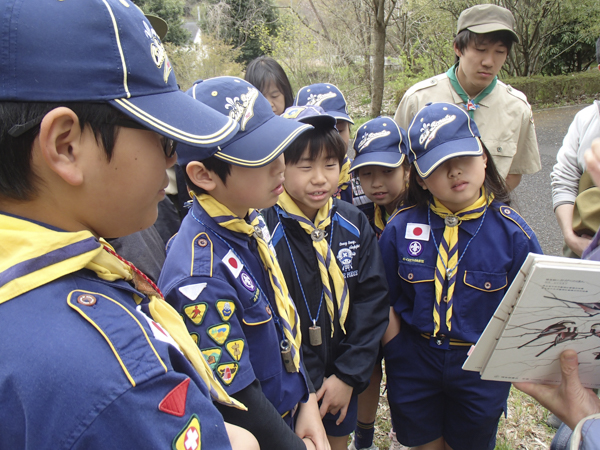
{"x":174,"y":401}
{"x":196,"y":312}
{"x":190,"y":437}
{"x":202,"y":255}
{"x":515,"y":217}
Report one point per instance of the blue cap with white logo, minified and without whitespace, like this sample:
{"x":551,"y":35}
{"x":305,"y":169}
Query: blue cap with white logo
{"x":441,"y":131}
{"x":379,"y":142}
{"x":327,"y":96}
{"x":100,"y":51}
{"x":263,"y":136}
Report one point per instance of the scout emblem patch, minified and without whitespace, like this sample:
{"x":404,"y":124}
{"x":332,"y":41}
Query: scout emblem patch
{"x":247,"y":281}
{"x":235,"y":348}
{"x":190,"y":437}
{"x":196,"y":312}
{"x":227,"y":372}
{"x":212,"y":356}
{"x":233,"y":263}
{"x":219,"y":333}
{"x":415,"y":248}
{"x":418,"y":231}
{"x":192,"y":291}
{"x":226,"y":309}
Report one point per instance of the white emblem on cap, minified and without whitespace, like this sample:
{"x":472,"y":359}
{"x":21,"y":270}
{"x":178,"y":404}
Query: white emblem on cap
{"x":242,"y":107}
{"x":429,"y":130}
{"x":316,"y":100}
{"x":370,"y":137}
{"x":159,"y":55}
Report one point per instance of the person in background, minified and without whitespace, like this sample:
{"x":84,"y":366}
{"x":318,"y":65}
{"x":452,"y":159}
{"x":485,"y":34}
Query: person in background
{"x":265,"y":74}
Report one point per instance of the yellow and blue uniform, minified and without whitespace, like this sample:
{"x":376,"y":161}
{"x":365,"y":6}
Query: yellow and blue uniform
{"x":429,"y":394}
{"x":215,"y":278}
{"x":87,"y":367}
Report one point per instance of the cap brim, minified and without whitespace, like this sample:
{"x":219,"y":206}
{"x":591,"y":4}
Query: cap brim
{"x":319,"y":121}
{"x":262,"y":145}
{"x":180,"y":117}
{"x":427,"y":163}
{"x":340,"y":116}
{"x":491,"y":27}
{"x":385,"y":159}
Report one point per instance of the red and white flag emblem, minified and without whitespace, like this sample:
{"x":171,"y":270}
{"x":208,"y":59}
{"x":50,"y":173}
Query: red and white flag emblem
{"x":418,"y":231}
{"x":233,"y":263}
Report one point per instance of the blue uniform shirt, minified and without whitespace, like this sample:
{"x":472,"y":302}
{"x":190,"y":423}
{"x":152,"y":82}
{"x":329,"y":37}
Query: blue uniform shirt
{"x":216,"y":280}
{"x":485,"y":272}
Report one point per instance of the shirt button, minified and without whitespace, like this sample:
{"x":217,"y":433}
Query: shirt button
{"x":410,"y":276}
{"x":86,"y":300}
{"x":487,"y":285}
{"x":499,"y":149}
{"x":445,"y":298}
{"x":202,"y":242}
{"x":268,"y":310}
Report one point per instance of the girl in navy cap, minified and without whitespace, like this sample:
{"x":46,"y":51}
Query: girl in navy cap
{"x":450,"y":254}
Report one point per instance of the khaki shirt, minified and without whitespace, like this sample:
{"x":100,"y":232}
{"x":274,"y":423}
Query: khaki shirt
{"x":504,"y":120}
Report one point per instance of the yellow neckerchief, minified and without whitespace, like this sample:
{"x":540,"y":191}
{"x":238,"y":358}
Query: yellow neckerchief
{"x":448,"y":258}
{"x":285,"y":306}
{"x":327,"y":263}
{"x":32,"y":255}
{"x":344,"y":179}
{"x":379,"y":220}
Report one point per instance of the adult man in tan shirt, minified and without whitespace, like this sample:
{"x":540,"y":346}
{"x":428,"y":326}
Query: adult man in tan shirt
{"x":485,"y":35}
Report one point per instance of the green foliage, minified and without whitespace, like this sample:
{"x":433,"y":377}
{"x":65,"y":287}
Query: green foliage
{"x":171,"y":11}
{"x":213,"y":58}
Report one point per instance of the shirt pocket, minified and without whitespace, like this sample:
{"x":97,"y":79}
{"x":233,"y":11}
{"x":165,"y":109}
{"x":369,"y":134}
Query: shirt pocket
{"x":418,"y":294}
{"x":503,"y":152}
{"x":482,"y":295}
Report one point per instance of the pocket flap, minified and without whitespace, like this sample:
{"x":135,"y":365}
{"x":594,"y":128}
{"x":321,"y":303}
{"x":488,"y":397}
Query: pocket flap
{"x":412,"y":273}
{"x":258,"y":313}
{"x":485,"y":281}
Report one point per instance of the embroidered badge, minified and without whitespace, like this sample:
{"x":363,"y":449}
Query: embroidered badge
{"x":235,"y":348}
{"x":195,"y":337}
{"x":316,"y":100}
{"x":227,"y":372}
{"x":345,"y":257}
{"x":233,"y":263}
{"x":157,"y":51}
{"x":226,"y":309}
{"x":174,"y":401}
{"x":219,"y":333}
{"x":415,"y":248}
{"x":418,"y":231}
{"x":370,"y":137}
{"x":247,"y":281}
{"x":189,"y":438}
{"x":195,"y":312}
{"x":429,"y":130}
{"x":242,"y":107}
{"x":192,"y":291}
{"x":212,"y":356}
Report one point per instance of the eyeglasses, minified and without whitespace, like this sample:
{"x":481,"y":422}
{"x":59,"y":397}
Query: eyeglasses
{"x":169,"y":145}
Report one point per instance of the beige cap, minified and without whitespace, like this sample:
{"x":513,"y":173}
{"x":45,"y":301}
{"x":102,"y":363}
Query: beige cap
{"x":486,"y":19}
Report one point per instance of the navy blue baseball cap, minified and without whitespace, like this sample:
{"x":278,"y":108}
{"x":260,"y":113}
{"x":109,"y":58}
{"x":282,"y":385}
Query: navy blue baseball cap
{"x":441,"y":131}
{"x":379,"y":142}
{"x":263,"y":136}
{"x":313,"y":115}
{"x":100,"y":51}
{"x":327,"y":96}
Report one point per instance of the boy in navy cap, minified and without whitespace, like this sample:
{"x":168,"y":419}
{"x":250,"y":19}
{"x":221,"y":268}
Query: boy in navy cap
{"x":92,"y":356}
{"x":321,"y":238}
{"x":222,"y":275}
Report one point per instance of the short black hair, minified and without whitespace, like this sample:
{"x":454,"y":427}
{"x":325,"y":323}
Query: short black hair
{"x":17,"y":179}
{"x":494,"y":184}
{"x":598,"y":51}
{"x":317,"y":139}
{"x":264,"y":70}
{"x":465,"y":37}
{"x":221,"y":168}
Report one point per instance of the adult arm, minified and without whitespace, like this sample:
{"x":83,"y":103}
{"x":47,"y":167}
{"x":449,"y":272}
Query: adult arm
{"x":513,"y":180}
{"x":564,"y":216}
{"x":527,"y":157}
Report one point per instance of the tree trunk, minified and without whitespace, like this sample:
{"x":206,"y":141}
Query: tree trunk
{"x":378,"y":75}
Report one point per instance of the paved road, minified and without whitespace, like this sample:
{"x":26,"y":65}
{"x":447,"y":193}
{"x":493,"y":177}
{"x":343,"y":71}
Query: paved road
{"x":533,"y":197}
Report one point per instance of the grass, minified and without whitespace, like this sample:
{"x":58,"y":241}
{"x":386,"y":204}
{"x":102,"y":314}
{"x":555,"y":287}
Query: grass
{"x":524,"y":428}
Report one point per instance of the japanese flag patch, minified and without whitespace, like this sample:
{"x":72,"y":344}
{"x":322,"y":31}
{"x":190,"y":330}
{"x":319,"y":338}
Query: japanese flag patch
{"x":418,"y":231}
{"x":233,"y":263}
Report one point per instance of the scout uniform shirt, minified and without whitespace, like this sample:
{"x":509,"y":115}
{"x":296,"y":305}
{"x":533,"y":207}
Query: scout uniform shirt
{"x":503,"y":118}
{"x":83,"y":364}
{"x":216,"y":280}
{"x":491,"y":262}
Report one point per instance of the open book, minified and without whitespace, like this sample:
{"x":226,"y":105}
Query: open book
{"x":552,"y":305}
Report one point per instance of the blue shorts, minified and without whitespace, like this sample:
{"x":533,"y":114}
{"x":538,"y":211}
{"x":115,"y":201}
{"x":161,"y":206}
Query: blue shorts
{"x":430,"y":396}
{"x":349,"y":423}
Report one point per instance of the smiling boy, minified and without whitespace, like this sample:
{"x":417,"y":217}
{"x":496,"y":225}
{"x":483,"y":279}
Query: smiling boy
{"x":485,"y":35}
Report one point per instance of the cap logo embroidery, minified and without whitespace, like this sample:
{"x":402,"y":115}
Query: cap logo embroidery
{"x":159,"y":55}
{"x":429,"y":130}
{"x":316,"y":100}
{"x":242,"y":107}
{"x":370,"y":137}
